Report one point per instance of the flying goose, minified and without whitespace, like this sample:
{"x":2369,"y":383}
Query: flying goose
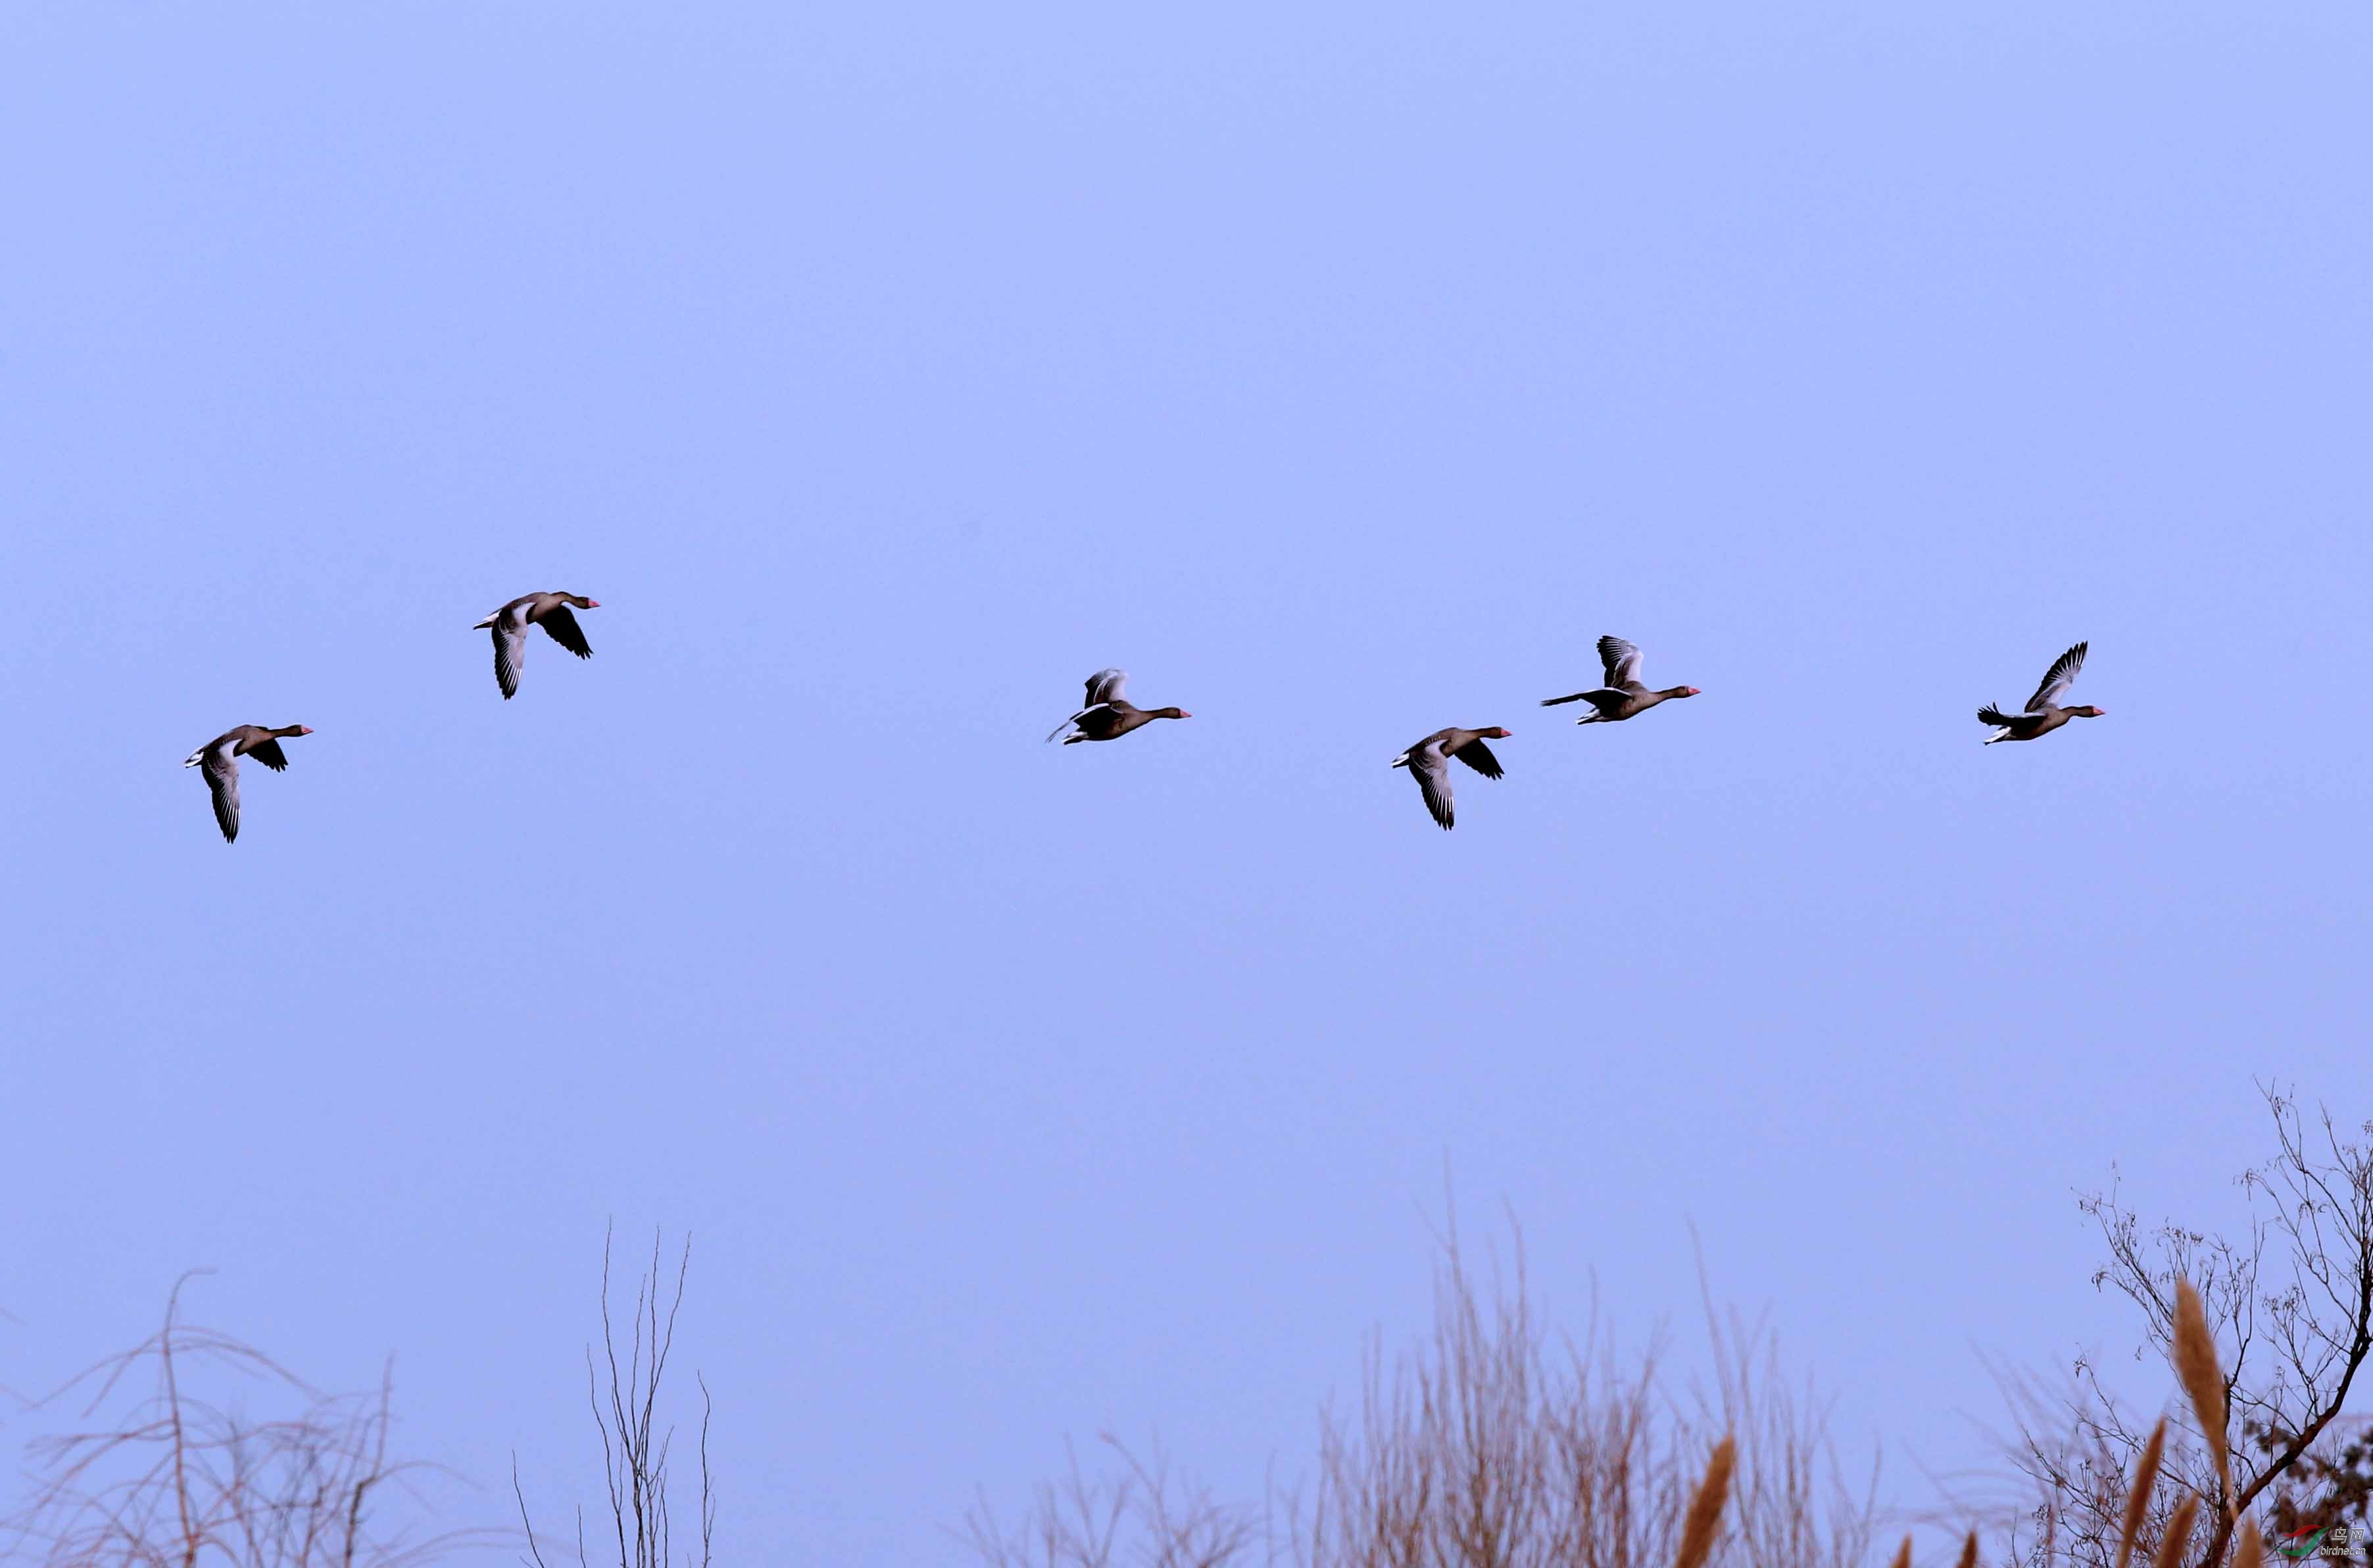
{"x":2043,"y":713}
{"x":549,"y":611}
{"x":1108,"y":716}
{"x":1623,"y":696}
{"x":220,"y":758}
{"x":1428,"y":763}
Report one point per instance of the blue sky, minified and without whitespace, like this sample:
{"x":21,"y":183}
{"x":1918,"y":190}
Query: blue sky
{"x":1342,"y":372}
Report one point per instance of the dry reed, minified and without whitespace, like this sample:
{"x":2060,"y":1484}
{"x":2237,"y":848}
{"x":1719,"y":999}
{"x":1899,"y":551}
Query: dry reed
{"x":2179,"y":1533}
{"x":1705,"y":1509}
{"x":2251,"y":1552}
{"x":1902,"y":1554}
{"x":2138,"y":1496}
{"x":2204,"y":1382}
{"x":1970,"y":1551}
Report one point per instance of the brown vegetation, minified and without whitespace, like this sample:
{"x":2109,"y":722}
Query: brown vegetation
{"x":2267,"y":1333}
{"x":1493,"y":1444}
{"x":174,"y":1477}
{"x":635,"y":1447}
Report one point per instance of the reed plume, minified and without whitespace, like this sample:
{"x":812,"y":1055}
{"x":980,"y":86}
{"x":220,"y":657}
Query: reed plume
{"x":2179,"y":1533}
{"x":2138,"y":1497}
{"x":2251,"y":1552}
{"x":1970,"y":1551}
{"x":2195,"y":1365}
{"x":1705,"y":1509}
{"x":1902,"y":1554}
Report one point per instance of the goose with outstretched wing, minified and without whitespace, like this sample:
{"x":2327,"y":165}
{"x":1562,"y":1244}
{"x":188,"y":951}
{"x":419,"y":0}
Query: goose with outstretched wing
{"x":1108,"y":715}
{"x":510,"y":624}
{"x":2043,"y":713}
{"x":219,"y":758}
{"x":1624,"y":695}
{"x":1428,"y":763}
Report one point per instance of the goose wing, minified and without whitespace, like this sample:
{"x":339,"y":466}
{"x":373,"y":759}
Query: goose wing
{"x":269,"y":753}
{"x":1432,"y":771}
{"x":562,"y":627}
{"x":1477,"y":756}
{"x":510,"y":652}
{"x":1622,"y":661}
{"x":221,"y":769}
{"x":1074,"y":720}
{"x":2057,"y":679}
{"x":1104,"y":690}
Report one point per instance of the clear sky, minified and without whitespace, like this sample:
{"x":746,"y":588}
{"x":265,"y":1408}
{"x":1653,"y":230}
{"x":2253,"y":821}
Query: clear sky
{"x":1340,"y":371}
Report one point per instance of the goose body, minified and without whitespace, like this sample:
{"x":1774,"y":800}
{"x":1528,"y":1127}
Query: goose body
{"x":2043,"y":713}
{"x":510,"y":624}
{"x":1108,"y":716}
{"x":220,"y":757}
{"x":1624,"y":695}
{"x":1428,"y":763}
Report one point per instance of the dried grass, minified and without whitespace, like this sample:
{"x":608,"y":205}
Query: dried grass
{"x":2203,"y":1380}
{"x":1703,"y":1521}
{"x":1493,"y":1444}
{"x":2178,"y":1534}
{"x":2138,"y":1497}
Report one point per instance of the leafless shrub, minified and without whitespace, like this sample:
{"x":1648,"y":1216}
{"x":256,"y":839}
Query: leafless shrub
{"x":1499,"y":1445}
{"x":635,"y":1446}
{"x":1494,"y":1445}
{"x":175,"y":1477}
{"x":1145,"y":1514}
{"x":2267,"y":1333}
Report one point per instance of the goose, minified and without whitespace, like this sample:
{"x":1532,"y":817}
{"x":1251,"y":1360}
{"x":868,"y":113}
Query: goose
{"x":1428,"y":763}
{"x":1108,"y":716}
{"x":2043,"y":713}
{"x":220,"y":758}
{"x":1623,"y":696}
{"x":549,"y":611}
